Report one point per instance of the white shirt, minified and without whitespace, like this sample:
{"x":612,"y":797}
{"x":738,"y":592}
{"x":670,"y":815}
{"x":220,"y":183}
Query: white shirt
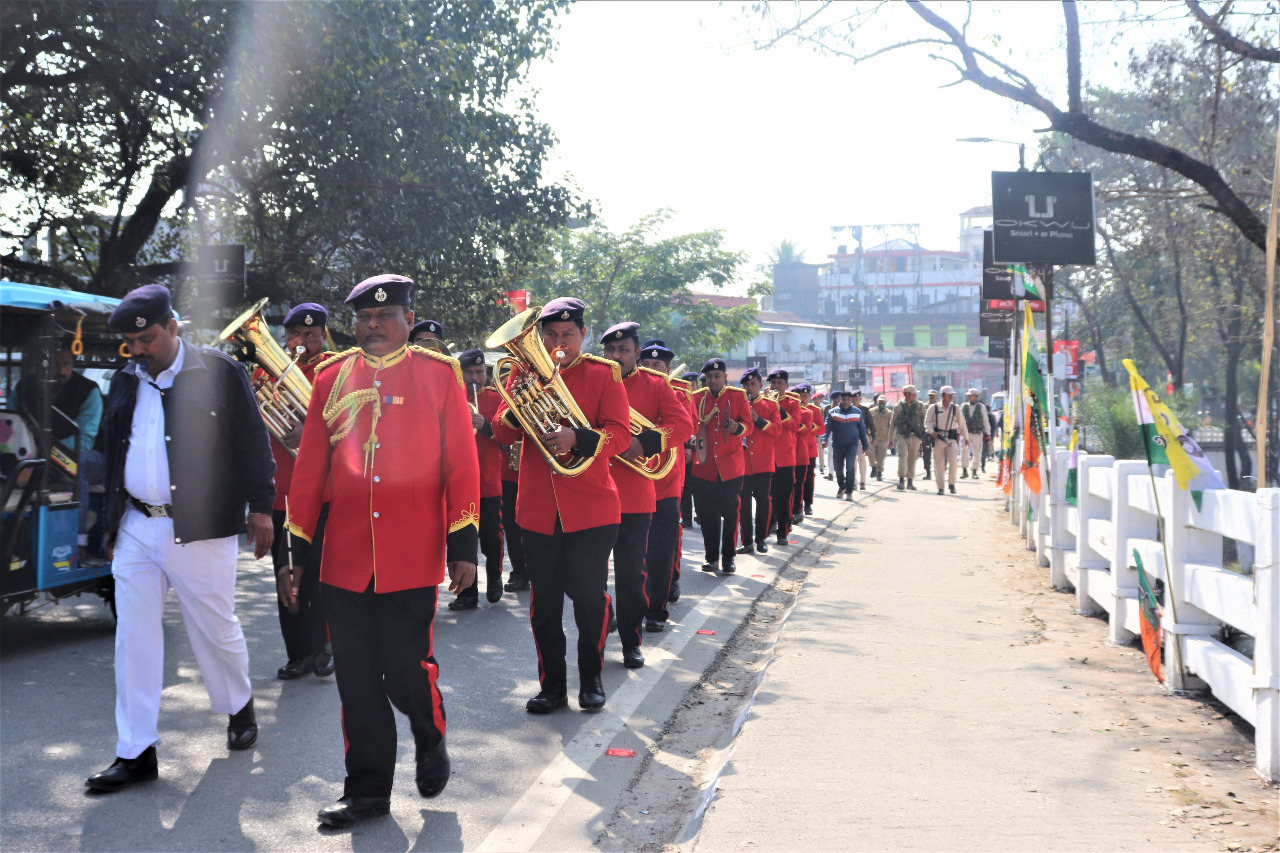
{"x":146,"y":464}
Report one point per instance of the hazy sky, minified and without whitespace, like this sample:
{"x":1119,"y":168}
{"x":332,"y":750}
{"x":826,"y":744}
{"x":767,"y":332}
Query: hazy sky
{"x":666,"y":104}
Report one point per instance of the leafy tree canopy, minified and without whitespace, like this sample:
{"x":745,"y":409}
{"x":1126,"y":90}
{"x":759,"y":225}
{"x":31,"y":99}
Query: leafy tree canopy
{"x":335,"y":140}
{"x":640,"y":276}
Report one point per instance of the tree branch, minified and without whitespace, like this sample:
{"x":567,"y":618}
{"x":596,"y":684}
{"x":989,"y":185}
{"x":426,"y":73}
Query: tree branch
{"x":12,"y":261}
{"x":1075,"y":104}
{"x":1219,"y":35}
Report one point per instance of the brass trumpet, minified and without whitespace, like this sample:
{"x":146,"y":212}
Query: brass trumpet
{"x":283,"y":393}
{"x":538,"y":396}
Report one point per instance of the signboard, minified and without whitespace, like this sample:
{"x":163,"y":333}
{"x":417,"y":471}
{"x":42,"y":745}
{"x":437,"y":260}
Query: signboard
{"x":1042,"y":217}
{"x":857,"y":376}
{"x":760,"y":361}
{"x":1070,"y":366}
{"x":811,"y":373}
{"x":220,"y":272}
{"x":997,"y":281}
{"x":518,"y":300}
{"x":995,"y":320}
{"x":997,"y":347}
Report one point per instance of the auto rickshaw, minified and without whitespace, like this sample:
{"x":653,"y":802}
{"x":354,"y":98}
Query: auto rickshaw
{"x":50,"y":549}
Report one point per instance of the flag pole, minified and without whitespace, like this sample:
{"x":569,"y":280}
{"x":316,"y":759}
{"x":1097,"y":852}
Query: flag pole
{"x":1168,"y":567}
{"x":1268,"y":328}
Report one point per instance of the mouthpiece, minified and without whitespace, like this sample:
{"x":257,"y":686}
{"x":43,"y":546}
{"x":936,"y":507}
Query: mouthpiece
{"x":299,"y":349}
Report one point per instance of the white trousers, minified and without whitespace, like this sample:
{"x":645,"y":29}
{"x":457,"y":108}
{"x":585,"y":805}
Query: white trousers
{"x":972,"y":451}
{"x":203,"y":574}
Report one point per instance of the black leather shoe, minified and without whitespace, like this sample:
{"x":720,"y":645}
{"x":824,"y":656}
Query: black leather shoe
{"x":493,"y":594}
{"x":728,"y":567}
{"x":939,"y":491}
{"x":808,"y":510}
{"x":709,"y":566}
{"x":349,"y":811}
{"x":862,"y":488}
{"x":902,"y":484}
{"x":782,"y":541}
{"x":433,"y":770}
{"x":591,"y":695}
{"x":516,"y":584}
{"x":655,"y":626}
{"x":674,"y":595}
{"x":964,"y":474}
{"x":125,"y":772}
{"x":631,"y":657}
{"x":242,"y":728}
{"x":322,"y":664}
{"x":952,"y":487}
{"x":762,"y":547}
{"x":547,"y":701}
{"x":464,"y":603}
{"x":295,"y":669}
{"x":798,"y":518}
{"x":911,"y":485}
{"x":747,"y":549}
{"x":613,"y":620}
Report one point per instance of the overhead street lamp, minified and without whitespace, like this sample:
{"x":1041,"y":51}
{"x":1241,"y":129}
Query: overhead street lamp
{"x":1022,"y":148}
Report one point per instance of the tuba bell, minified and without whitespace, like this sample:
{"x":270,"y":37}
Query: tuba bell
{"x":283,"y":393}
{"x":538,"y":396}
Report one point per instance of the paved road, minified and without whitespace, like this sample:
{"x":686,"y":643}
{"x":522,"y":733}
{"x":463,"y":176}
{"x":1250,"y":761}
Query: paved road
{"x":519,"y":783}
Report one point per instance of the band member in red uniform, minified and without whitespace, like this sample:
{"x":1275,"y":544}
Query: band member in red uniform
{"x":382,"y":440}
{"x":803,"y":435}
{"x":569,"y":524}
{"x":426,"y":330}
{"x":723,"y":418}
{"x":758,"y":464}
{"x":817,"y":431}
{"x":783,"y":486}
{"x":518,"y":580}
{"x":491,"y":457}
{"x":666,"y":534}
{"x":650,"y":395}
{"x":306,"y":642}
{"x":693,"y":381}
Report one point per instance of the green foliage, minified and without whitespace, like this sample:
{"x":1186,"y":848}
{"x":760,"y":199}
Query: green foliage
{"x":641,"y":276}
{"x":336,"y":140}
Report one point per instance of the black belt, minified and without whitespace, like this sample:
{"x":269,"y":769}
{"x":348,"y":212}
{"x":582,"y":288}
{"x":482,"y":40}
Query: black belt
{"x":152,"y":510}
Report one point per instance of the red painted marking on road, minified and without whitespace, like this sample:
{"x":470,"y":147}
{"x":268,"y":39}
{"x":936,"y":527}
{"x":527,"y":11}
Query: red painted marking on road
{"x":623,"y":753}
{"x":757,"y":576}
{"x":705,"y":631}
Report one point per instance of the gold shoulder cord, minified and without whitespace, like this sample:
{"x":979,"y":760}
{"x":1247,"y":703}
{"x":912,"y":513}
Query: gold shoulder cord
{"x":340,"y":413}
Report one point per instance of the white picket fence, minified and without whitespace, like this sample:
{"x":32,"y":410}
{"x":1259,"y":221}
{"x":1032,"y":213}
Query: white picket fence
{"x":1090,"y":547}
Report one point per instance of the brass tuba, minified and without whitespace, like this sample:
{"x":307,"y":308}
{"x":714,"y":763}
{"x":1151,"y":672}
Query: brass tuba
{"x":283,"y":393}
{"x":537,"y":396}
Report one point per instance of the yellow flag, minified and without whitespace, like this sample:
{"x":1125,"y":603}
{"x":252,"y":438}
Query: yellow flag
{"x":1167,"y":426}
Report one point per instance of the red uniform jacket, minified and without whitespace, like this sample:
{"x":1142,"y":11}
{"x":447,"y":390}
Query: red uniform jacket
{"x":819,"y":429}
{"x":672,"y":485}
{"x":410,"y":502}
{"x":724,"y":449}
{"x":784,"y":446}
{"x":589,"y":499}
{"x":284,"y":459}
{"x":649,"y":394}
{"x":803,"y":434}
{"x":760,"y":444}
{"x":491,"y":455}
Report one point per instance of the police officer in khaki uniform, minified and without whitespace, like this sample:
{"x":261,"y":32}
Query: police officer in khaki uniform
{"x":977,"y":426}
{"x":942,"y":422}
{"x":907,"y":428}
{"x":881,"y":416}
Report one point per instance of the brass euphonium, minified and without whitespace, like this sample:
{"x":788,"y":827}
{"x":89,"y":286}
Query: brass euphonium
{"x":283,"y":393}
{"x":538,"y":396}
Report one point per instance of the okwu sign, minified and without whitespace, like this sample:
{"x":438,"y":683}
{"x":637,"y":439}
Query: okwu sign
{"x":997,"y":280}
{"x":1042,"y":217}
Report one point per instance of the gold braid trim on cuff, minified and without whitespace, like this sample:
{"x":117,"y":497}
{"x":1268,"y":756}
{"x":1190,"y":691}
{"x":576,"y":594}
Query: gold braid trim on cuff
{"x":605,"y":438}
{"x":296,"y":530}
{"x":470,"y":517}
{"x":665,"y":432}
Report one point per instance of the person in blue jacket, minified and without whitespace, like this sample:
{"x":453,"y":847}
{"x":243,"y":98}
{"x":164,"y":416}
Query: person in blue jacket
{"x":846,"y":431}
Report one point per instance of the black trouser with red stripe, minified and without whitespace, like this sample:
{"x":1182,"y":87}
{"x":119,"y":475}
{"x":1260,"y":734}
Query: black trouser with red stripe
{"x":662,"y":557}
{"x":512,"y":532}
{"x":490,"y":546}
{"x":686,"y":493}
{"x":382,"y":651}
{"x":303,"y":632}
{"x":629,"y":581}
{"x":803,"y":472}
{"x":577,"y":565}
{"x":808,"y":482}
{"x":718,"y":514}
{"x":755,"y":487}
{"x":782,"y":487}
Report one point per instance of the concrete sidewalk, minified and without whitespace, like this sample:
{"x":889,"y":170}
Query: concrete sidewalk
{"x":918,"y":701}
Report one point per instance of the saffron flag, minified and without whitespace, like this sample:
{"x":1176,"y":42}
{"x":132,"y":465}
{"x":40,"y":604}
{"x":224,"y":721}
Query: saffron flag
{"x":1072,"y":485}
{"x":1149,"y":614}
{"x":1031,"y":454}
{"x":1191,"y":468}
